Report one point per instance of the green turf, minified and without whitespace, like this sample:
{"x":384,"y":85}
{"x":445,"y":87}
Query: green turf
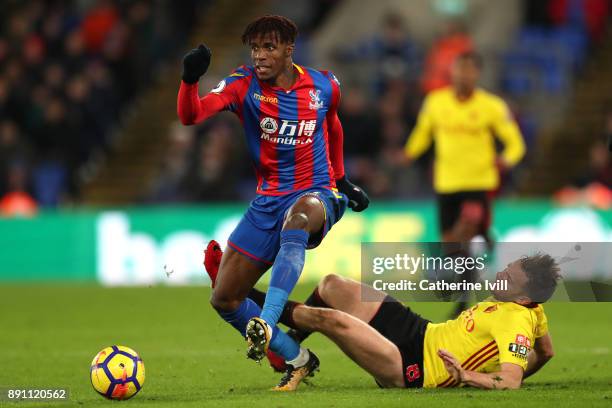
{"x":49,"y":335}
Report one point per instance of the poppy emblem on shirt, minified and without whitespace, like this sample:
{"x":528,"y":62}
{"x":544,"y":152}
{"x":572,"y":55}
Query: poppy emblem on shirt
{"x":413,"y":372}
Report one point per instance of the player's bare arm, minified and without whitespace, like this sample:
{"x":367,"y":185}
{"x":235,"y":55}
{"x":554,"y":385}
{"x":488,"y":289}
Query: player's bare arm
{"x":542,"y":353}
{"x":508,"y":377}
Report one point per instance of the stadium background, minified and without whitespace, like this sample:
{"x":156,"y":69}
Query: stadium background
{"x":100,"y":183}
{"x":91,"y":148}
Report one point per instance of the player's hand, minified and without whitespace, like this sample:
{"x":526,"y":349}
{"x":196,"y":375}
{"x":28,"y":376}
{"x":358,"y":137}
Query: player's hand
{"x":399,"y":158}
{"x":501,"y":165}
{"x":452,"y":365}
{"x":195,"y":64}
{"x":358,"y":199}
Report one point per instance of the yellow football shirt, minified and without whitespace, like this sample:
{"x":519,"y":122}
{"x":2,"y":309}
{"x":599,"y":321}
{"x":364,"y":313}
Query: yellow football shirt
{"x":464,"y":134}
{"x":482,"y":338}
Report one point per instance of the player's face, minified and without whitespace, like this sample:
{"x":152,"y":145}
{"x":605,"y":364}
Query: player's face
{"x":465,"y":74}
{"x":517,"y":281}
{"x":269,"y":55}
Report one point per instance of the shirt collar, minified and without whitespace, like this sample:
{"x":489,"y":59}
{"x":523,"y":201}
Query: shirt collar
{"x":301,"y":74}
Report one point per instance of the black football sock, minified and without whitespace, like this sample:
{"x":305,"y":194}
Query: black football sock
{"x":314,"y":300}
{"x":257,"y":296}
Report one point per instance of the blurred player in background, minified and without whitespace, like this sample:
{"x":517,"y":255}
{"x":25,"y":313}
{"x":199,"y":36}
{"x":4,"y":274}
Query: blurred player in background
{"x":294,"y":137}
{"x":464,"y":120}
{"x":493,"y":345}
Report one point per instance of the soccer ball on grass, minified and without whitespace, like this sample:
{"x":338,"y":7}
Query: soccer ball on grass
{"x":117,"y":372}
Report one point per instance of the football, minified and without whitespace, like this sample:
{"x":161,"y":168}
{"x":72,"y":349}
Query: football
{"x":117,"y":373}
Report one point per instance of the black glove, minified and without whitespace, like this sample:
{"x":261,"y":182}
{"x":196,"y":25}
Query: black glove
{"x":195,"y":64}
{"x":358,"y":199}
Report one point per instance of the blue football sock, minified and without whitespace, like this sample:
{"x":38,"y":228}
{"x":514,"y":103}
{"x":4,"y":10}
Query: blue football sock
{"x":241,"y":316}
{"x":281,"y":343}
{"x":284,"y":345}
{"x":285,"y":273}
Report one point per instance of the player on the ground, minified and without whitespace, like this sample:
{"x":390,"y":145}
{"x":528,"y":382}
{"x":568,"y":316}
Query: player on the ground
{"x":464,"y":120}
{"x":294,"y":137}
{"x":493,"y":345}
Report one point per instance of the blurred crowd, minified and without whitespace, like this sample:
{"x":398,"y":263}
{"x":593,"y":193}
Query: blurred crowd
{"x":593,"y":186}
{"x":205,"y":163}
{"x":68,"y":71}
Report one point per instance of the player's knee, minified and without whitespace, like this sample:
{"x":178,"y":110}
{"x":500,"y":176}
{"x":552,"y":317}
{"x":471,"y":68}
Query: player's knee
{"x":472,"y":213}
{"x":298,"y":220}
{"x":391,"y":382}
{"x":328,"y":285}
{"x":223,"y":303}
{"x":470,"y":226}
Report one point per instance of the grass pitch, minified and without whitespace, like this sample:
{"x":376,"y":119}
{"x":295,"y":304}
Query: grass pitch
{"x":49,"y":335}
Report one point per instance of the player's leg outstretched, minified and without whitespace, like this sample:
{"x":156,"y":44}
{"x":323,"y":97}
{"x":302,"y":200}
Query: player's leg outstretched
{"x":332,"y":292}
{"x":358,"y":340}
{"x":300,"y":362}
{"x":236,"y":278}
{"x":375,"y":353}
{"x":353,"y":334}
{"x":212,"y":259}
{"x":306,"y":216}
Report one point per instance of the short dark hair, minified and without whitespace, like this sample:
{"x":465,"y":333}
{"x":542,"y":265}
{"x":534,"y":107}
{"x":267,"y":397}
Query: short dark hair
{"x":543,"y":274}
{"x":282,"y":27}
{"x":473,"y":56}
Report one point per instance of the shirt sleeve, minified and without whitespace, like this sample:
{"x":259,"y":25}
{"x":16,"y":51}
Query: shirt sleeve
{"x":514,"y":334}
{"x":421,"y":137}
{"x":508,"y":132}
{"x":192,"y":109}
{"x":334,"y":130}
{"x":542,"y":325}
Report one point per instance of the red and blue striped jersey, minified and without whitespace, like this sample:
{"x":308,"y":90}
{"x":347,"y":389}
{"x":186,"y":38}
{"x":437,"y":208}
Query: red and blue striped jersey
{"x":293,"y":136}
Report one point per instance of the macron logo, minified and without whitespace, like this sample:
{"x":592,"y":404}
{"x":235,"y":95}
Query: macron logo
{"x":268,"y":99}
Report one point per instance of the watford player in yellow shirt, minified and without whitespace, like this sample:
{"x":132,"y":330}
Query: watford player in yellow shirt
{"x":496,"y":344}
{"x":463,"y":120}
{"x":493,"y":345}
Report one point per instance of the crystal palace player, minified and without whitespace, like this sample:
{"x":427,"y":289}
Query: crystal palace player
{"x":294,"y":137}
